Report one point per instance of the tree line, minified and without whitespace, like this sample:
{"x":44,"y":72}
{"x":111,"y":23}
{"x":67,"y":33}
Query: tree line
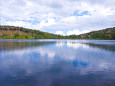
{"x":24,"y":33}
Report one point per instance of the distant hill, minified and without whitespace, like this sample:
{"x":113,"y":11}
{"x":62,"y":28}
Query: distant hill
{"x":12,"y":32}
{"x":108,"y":33}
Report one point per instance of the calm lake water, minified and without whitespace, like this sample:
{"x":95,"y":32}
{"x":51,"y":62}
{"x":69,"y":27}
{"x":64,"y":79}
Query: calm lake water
{"x":57,"y":62}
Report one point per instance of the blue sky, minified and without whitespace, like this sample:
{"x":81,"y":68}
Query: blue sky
{"x":63,"y":17}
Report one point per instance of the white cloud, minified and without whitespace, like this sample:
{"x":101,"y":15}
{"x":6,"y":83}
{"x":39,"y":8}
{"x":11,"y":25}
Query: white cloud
{"x":47,"y":22}
{"x":76,"y":45}
{"x":57,"y":15}
{"x":59,"y":32}
{"x":77,"y":32}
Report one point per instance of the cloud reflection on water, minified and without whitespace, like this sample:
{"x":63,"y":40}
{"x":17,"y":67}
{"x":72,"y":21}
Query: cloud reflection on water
{"x":72,"y":58}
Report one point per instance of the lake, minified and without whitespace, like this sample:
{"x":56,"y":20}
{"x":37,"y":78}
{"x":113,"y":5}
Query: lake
{"x":57,"y":62}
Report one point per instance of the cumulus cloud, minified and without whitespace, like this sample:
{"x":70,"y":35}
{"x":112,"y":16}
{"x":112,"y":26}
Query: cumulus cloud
{"x":66,"y":15}
{"x":59,"y":32}
{"x":77,"y":32}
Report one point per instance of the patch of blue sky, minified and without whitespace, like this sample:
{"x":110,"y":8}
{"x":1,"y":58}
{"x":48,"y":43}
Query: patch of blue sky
{"x":35,"y":22}
{"x":78,"y":13}
{"x":6,"y":19}
{"x":31,"y":21}
{"x":46,"y":21}
{"x":56,"y":19}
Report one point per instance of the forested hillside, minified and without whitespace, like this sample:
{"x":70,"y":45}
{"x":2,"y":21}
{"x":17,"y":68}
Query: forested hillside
{"x":12,"y":32}
{"x":108,"y":33}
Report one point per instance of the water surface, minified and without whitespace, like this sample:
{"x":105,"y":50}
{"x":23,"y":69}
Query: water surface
{"x":57,"y":62}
